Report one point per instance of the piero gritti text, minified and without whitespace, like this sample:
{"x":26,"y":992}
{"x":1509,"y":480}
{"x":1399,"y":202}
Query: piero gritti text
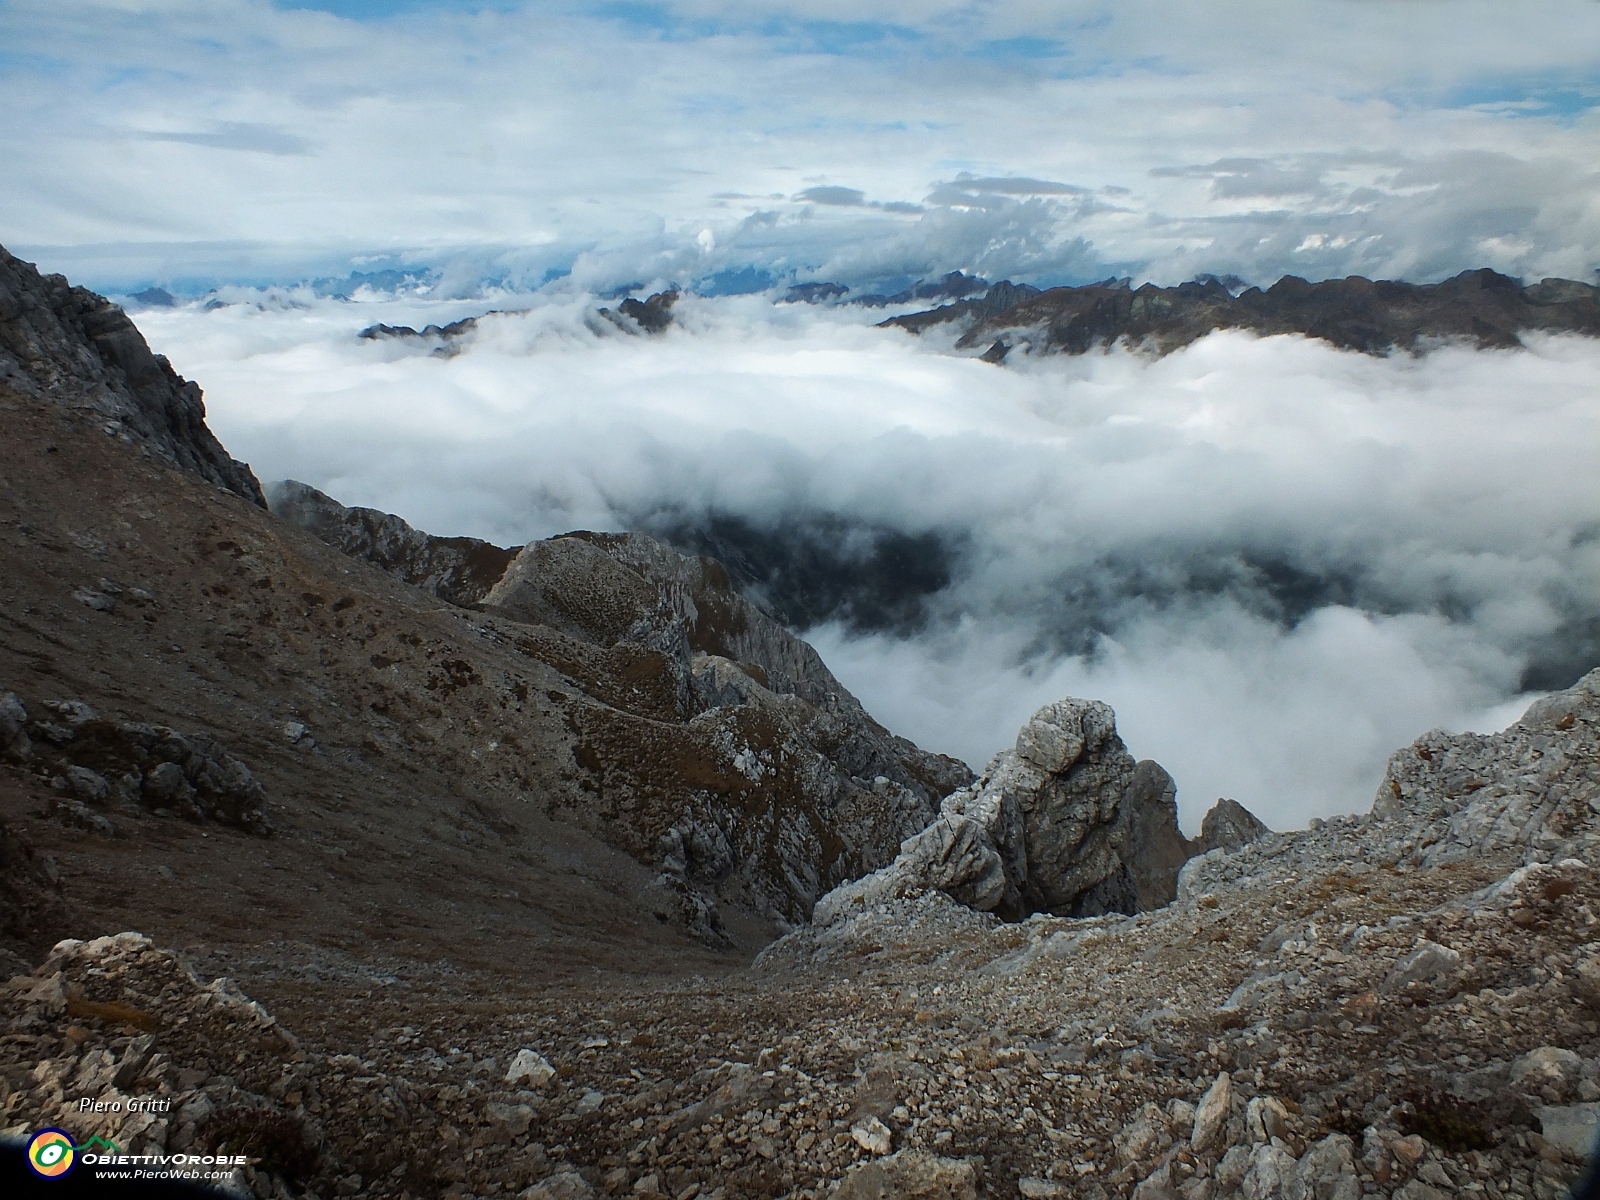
{"x":135,"y":1104}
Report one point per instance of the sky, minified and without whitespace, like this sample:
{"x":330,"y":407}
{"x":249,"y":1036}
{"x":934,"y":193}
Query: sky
{"x":1276,"y":560}
{"x":187,"y":142}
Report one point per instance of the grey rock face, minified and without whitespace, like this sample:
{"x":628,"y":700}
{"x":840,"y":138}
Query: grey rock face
{"x":77,"y":348}
{"x":725,"y":751}
{"x":458,"y":569}
{"x":1532,"y":790}
{"x":97,"y":761}
{"x":802,"y":788}
{"x":1466,"y":794}
{"x":1228,"y":826}
{"x":1066,"y":822}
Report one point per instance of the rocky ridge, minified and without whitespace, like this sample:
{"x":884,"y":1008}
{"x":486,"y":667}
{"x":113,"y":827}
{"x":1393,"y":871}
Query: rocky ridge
{"x":1372,"y":316}
{"x":458,"y":569}
{"x":77,"y":348}
{"x":818,"y":791}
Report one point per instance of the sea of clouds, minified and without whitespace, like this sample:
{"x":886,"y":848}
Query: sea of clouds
{"x":1276,"y":560}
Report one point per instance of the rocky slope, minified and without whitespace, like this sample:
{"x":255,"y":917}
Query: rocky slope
{"x":1405,"y":1003}
{"x":1372,"y":316}
{"x":182,"y":669}
{"x":418,"y":884}
{"x":726,"y":751}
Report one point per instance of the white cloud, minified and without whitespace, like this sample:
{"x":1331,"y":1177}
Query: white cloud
{"x":1278,"y":561}
{"x":1407,"y":140}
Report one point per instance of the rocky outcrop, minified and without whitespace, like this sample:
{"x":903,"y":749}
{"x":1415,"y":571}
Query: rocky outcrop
{"x":95,"y":765}
{"x":720,"y":749}
{"x":1372,"y":316}
{"x":1000,"y":298}
{"x":439,"y":333}
{"x":458,"y":569}
{"x":1454,"y":796}
{"x":1067,"y":822}
{"x":649,"y":316}
{"x":1530,"y":793}
{"x":77,"y":348}
{"x":779,"y":786}
{"x":1228,"y":826}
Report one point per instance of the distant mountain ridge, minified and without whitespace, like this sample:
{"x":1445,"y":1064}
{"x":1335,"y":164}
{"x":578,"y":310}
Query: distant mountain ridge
{"x":1372,"y":316}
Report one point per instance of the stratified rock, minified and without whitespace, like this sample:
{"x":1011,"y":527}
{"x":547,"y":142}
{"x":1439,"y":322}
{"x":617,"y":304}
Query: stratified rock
{"x":458,"y":569}
{"x":74,"y":347}
{"x":1066,"y":822}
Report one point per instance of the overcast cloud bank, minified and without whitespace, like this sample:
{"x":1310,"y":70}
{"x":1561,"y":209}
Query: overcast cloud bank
{"x":192,"y":141}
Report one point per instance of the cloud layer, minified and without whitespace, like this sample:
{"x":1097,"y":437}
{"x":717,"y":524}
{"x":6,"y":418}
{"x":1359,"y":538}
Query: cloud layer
{"x":1279,"y":562}
{"x":187,"y":141}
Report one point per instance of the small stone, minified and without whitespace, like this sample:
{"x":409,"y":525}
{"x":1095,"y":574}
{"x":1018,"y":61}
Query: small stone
{"x":872,"y":1135}
{"x":90,"y":598}
{"x":1409,"y":1150}
{"x":589,"y":1102}
{"x":567,"y":1185}
{"x":531,"y":1066}
{"x":89,"y":786}
{"x":1035,"y":1188}
{"x":1211,"y":1117}
{"x":294,"y":731}
{"x":1429,"y":963}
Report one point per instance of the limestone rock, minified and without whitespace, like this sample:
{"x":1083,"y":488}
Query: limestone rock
{"x":567,"y":1185}
{"x":1228,"y":826}
{"x":1066,"y":822}
{"x":1485,"y":792}
{"x":79,"y":349}
{"x":530,"y":1068}
{"x":1211,"y":1117}
{"x":1570,"y":1128}
{"x":872,"y":1135}
{"x":909,"y":1175}
{"x":1430,"y":963}
{"x":458,"y":569}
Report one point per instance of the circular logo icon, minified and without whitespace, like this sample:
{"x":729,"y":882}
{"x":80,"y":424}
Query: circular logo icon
{"x":51,"y":1153}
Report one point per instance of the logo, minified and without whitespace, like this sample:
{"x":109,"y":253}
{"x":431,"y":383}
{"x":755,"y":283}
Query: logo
{"x":51,"y":1153}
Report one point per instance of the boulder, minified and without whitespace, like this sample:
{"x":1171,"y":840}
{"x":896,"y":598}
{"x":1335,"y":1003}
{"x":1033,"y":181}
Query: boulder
{"x":1228,"y":826}
{"x":909,"y":1175}
{"x":1066,"y":822}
